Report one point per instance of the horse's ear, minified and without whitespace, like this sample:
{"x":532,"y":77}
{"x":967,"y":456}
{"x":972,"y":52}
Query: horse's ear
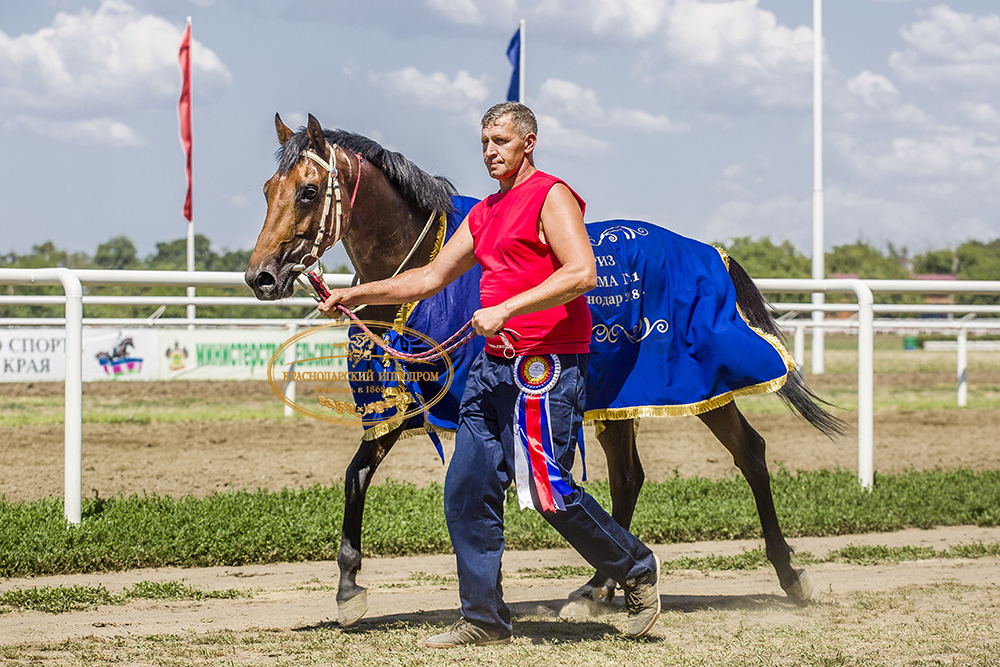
{"x":316,"y":138}
{"x":284,"y":133}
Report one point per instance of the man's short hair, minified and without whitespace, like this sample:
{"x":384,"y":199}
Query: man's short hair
{"x":520,"y":115}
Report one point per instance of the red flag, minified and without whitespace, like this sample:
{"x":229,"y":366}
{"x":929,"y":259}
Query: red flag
{"x":184,"y":109}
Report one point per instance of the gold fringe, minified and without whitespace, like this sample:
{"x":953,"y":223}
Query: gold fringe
{"x":422,"y":430}
{"x":383,"y":428}
{"x":690,"y":409}
{"x":701,"y":407}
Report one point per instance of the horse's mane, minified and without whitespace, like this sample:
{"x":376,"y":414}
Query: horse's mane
{"x":425,"y":192}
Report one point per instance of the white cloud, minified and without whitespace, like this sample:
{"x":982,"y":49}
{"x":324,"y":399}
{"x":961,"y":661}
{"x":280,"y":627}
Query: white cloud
{"x":980,"y":112}
{"x":633,"y":19}
{"x":643,"y":121}
{"x":849,"y":215}
{"x":571,"y":100}
{"x":873,"y":90}
{"x":566,"y":141}
{"x":461,"y":95}
{"x":948,"y":48}
{"x":727,"y":45}
{"x":949,"y":154}
{"x":734,"y":171}
{"x":93,"y":132}
{"x":113,"y":59}
{"x":744,"y":47}
{"x":459,"y":11}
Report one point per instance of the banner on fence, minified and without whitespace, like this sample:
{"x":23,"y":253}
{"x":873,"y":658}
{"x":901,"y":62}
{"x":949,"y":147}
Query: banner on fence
{"x":237,"y":355}
{"x":111,"y":354}
{"x":30,"y":355}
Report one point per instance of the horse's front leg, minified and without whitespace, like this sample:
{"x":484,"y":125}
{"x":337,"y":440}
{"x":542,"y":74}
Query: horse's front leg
{"x":352,"y":600}
{"x":747,"y":447}
{"x":625,"y":477}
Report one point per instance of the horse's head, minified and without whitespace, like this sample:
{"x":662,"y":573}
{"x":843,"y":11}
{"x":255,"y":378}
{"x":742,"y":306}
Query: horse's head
{"x":305,"y":211}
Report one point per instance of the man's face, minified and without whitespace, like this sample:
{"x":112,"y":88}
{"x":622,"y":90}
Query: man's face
{"x":503,"y":149}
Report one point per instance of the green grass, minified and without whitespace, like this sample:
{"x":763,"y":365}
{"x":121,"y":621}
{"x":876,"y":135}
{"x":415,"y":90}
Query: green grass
{"x":751,"y":559}
{"x":39,"y":410}
{"x":240,"y":527}
{"x":58,"y":599}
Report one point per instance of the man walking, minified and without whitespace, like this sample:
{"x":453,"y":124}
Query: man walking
{"x":524,"y":400}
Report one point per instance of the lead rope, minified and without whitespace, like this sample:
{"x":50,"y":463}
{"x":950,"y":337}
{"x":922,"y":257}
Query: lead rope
{"x":455,"y":341}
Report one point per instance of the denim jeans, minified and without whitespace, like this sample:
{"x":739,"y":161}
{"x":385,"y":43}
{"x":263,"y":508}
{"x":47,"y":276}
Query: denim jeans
{"x":482,"y":468}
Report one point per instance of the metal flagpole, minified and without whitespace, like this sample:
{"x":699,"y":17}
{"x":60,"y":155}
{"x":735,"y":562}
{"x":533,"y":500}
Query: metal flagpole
{"x":520,"y":83}
{"x":190,"y":227}
{"x":818,"y":268}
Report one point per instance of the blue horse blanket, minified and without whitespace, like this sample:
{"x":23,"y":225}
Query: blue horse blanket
{"x":668,"y":336}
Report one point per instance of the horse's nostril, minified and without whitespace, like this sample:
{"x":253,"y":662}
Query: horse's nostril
{"x":265,"y":279}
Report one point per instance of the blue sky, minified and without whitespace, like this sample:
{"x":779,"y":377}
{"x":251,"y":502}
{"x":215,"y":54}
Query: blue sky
{"x":693,"y":114}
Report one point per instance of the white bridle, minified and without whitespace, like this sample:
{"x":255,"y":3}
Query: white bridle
{"x":333,"y":194}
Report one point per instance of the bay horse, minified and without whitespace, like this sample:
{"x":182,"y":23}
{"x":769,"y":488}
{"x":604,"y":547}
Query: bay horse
{"x":381,"y":214}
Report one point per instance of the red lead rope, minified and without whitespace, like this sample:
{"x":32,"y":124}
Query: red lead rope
{"x":457,"y":340}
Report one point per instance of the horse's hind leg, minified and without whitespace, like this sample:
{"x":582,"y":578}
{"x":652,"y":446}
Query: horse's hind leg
{"x":747,"y":447}
{"x":352,"y":600}
{"x":625,"y":477}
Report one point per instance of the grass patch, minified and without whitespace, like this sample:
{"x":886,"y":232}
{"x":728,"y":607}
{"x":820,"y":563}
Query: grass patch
{"x":939,"y":624}
{"x":59,"y":599}
{"x":751,"y":559}
{"x":240,"y":527}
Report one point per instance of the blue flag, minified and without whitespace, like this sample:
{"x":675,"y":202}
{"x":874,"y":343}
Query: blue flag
{"x":514,"y":56}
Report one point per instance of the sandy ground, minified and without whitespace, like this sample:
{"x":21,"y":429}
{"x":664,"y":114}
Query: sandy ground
{"x":198,"y":458}
{"x":205,"y":457}
{"x":292,"y":596}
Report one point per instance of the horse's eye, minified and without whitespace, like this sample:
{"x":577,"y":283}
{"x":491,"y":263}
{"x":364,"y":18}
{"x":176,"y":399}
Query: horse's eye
{"x":308,"y":193}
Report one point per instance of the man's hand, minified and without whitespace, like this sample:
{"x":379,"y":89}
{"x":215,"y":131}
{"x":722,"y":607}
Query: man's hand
{"x":488,"y":321}
{"x":342,"y":297}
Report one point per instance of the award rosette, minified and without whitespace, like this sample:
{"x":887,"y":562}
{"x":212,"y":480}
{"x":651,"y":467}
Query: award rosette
{"x":536,"y":473}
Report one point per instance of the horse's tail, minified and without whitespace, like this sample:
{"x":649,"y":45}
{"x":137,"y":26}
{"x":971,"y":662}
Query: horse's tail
{"x":795,"y":393}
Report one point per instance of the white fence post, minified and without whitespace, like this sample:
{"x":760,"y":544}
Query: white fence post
{"x":73,"y":429}
{"x":800,"y":346}
{"x":963,"y":365}
{"x":866,"y":384}
{"x":290,"y":358}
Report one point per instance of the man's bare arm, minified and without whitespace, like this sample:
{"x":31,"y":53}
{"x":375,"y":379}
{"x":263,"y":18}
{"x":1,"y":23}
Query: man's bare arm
{"x":455,"y":258}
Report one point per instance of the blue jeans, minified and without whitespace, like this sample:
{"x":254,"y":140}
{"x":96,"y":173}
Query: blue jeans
{"x":482,"y":468}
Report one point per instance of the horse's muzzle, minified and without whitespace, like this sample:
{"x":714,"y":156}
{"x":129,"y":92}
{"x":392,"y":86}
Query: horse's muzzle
{"x":268,"y":284}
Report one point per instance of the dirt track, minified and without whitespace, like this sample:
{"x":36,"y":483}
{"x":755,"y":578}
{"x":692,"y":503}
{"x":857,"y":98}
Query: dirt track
{"x":198,"y":458}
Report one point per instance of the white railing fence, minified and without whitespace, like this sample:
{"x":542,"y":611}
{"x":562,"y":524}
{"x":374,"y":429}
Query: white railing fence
{"x":73,"y":281}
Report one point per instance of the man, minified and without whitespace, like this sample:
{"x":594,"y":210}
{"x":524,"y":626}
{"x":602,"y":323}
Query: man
{"x":527,"y":387}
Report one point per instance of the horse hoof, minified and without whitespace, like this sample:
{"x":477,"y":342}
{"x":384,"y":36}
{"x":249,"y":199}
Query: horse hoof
{"x":585,"y":607}
{"x":800,"y":591}
{"x":351,"y":611}
{"x":601,"y":594}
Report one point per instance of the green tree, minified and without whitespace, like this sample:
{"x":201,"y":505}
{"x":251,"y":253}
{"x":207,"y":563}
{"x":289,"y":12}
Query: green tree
{"x":979,"y":261}
{"x":763,"y":259}
{"x":935,"y":261}
{"x":172,"y":255}
{"x":865,"y":262}
{"x":117,"y":253}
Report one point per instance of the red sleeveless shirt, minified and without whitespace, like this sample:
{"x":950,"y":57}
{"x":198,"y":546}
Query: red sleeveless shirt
{"x":504,"y":229}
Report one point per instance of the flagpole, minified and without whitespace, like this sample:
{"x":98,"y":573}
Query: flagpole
{"x":185,"y":117}
{"x":520,"y":83}
{"x":818,"y":268}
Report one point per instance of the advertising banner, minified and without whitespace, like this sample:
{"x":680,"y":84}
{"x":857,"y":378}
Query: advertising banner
{"x":111,"y":354}
{"x":31,"y":355}
{"x":240,"y":354}
{"x":119,"y":354}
